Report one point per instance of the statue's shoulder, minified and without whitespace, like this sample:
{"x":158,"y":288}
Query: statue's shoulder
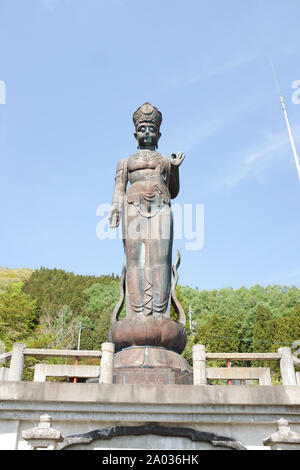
{"x":122,"y":163}
{"x":165,"y":159}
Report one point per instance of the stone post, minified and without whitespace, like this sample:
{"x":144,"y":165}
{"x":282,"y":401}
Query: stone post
{"x":43,"y":436}
{"x":107,"y":363}
{"x":17,"y":362}
{"x":199,"y":365}
{"x":283,"y":438}
{"x":287,"y":369}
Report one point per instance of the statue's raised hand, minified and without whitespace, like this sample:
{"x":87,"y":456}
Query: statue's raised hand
{"x":115,"y":215}
{"x":176,"y":160}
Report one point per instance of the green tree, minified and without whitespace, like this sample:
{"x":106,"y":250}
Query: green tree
{"x":99,"y":307}
{"x":61,"y":330}
{"x":10,"y":275}
{"x":286,"y":329}
{"x":18,"y":314}
{"x":263,"y":331}
{"x":221,"y":334}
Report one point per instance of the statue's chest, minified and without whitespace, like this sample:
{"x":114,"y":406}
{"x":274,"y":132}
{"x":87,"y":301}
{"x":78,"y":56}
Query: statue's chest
{"x":144,"y":160}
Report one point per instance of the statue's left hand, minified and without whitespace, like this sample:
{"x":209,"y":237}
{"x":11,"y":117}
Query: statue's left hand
{"x":176,"y":160}
{"x":114,"y":217}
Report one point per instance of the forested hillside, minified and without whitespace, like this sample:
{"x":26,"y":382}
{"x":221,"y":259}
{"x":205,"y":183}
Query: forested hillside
{"x":245,"y":320}
{"x":8,"y":276}
{"x":43,"y":308}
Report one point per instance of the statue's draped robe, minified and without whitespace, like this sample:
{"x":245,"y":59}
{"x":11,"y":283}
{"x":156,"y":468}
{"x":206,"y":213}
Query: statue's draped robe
{"x":147,"y":230}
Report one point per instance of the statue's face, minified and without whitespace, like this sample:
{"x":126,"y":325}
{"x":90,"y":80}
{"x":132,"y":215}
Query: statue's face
{"x":147,"y":135}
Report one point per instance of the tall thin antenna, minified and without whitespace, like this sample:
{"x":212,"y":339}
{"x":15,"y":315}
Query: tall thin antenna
{"x":79,"y":335}
{"x":287,"y":121}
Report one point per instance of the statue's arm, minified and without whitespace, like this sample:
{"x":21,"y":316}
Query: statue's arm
{"x":174,"y":184}
{"x":119,"y":193}
{"x":175,"y":162}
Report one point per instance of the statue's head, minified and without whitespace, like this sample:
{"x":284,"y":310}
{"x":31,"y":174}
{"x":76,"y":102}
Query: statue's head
{"x":147,"y":120}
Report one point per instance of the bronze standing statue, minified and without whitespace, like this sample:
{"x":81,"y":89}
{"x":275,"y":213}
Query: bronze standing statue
{"x":147,"y":227}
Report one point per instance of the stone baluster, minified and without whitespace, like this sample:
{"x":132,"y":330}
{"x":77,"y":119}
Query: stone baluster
{"x":107,"y":363}
{"x":199,"y":365}
{"x":287,"y":369}
{"x":17,"y":362}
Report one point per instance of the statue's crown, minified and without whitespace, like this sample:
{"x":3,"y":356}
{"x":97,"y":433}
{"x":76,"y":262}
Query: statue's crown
{"x":147,"y":113}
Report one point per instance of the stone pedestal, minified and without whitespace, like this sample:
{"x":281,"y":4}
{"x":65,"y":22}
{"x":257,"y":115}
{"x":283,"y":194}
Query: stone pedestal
{"x":148,"y":351}
{"x":43,"y":436}
{"x":284,"y":438}
{"x":151,"y":365}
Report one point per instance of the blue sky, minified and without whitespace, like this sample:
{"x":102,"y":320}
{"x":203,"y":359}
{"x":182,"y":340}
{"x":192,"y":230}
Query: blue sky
{"x":76,"y":70}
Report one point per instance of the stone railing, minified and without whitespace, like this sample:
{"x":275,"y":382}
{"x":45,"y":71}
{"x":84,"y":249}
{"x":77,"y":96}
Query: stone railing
{"x":104,"y":372}
{"x":202,"y":373}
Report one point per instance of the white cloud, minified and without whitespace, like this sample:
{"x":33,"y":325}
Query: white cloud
{"x":199,"y":127}
{"x":50,"y":4}
{"x":291,"y":277}
{"x":213,"y":71}
{"x":258,"y":161}
{"x":199,"y":132}
{"x":194,"y":73}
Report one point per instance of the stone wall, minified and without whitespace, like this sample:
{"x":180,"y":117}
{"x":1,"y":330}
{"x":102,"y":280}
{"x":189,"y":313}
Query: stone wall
{"x":244,"y":415}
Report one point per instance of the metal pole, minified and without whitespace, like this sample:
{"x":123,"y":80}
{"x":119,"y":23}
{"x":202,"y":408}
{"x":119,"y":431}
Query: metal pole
{"x":78,"y":348}
{"x":287,"y":122}
{"x":229,"y":382}
{"x":79,"y":336}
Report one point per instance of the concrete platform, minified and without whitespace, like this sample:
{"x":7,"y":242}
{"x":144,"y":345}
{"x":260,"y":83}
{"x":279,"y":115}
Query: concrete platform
{"x":244,"y":414}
